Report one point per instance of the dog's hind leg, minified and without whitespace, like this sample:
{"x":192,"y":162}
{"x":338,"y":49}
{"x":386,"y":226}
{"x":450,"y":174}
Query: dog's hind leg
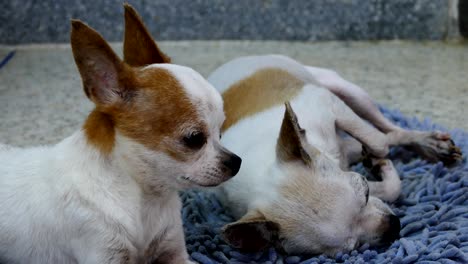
{"x":354,"y":96}
{"x":433,"y":146}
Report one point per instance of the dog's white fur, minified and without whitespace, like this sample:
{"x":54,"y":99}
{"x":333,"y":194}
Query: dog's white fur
{"x":74,"y":202}
{"x":63,"y":204}
{"x":66,"y":203}
{"x":323,"y":209}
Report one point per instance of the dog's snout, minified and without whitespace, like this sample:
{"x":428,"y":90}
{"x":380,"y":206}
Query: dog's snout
{"x":393,"y":231}
{"x":233,"y":163}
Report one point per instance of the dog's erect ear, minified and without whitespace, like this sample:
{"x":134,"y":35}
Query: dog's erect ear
{"x":101,"y":70}
{"x":139,"y":47}
{"x":291,"y":141}
{"x":253,"y":232}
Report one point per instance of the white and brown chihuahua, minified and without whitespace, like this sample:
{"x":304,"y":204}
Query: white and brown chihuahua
{"x":295,"y":190}
{"x":108,"y":193}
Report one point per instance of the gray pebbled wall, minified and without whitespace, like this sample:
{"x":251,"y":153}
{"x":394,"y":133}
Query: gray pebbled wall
{"x":32,"y":21}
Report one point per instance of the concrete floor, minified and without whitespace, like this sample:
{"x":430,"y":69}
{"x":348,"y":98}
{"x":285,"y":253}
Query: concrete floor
{"x":41,"y":99}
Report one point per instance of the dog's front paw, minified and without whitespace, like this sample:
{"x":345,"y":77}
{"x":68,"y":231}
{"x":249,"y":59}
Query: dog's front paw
{"x":435,"y":146}
{"x":370,"y":161}
{"x":378,"y":168}
{"x":389,"y":188}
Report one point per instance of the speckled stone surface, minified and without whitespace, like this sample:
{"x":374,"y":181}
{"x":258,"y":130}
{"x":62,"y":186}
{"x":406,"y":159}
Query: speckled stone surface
{"x":28,"y":21}
{"x":41,"y":98}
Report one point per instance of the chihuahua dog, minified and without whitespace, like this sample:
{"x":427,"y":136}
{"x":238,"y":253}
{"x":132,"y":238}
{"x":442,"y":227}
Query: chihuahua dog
{"x":109,"y":192}
{"x":295,"y":190}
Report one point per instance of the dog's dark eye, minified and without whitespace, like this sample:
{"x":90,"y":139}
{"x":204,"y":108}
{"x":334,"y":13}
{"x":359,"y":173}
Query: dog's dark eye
{"x":195,"y":140}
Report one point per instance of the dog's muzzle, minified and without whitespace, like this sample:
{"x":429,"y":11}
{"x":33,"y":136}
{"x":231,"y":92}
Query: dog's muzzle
{"x":233,"y":163}
{"x":393,"y":231}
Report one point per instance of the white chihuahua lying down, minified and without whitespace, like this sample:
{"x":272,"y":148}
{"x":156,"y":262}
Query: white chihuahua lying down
{"x":109,"y":192}
{"x":294,"y":189}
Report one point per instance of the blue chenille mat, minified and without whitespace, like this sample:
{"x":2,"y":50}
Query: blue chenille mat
{"x":433,"y":210}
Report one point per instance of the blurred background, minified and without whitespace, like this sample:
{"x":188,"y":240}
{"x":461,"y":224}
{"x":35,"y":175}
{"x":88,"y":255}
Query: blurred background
{"x":408,"y":54}
{"x":29,"y":21}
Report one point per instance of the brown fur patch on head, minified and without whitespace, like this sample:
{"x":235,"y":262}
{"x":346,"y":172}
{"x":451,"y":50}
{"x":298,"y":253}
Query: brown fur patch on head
{"x":148,"y":105}
{"x":263,"y":89}
{"x":99,"y":131}
{"x":106,"y":82}
{"x":139,"y":47}
{"x":160,"y":114}
{"x":157,"y":116}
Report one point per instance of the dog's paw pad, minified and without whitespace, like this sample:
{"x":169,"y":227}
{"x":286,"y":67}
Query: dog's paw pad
{"x":441,"y":135}
{"x":439,"y":146}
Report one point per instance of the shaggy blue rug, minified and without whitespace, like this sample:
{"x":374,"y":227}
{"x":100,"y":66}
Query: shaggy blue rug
{"x":433,"y":211}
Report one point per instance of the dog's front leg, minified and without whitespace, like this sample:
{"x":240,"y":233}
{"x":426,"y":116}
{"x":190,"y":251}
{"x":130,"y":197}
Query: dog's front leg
{"x":390,"y":187}
{"x":169,"y":250}
{"x":172,"y":256}
{"x":116,"y":254}
{"x":169,"y":246}
{"x":374,"y":140}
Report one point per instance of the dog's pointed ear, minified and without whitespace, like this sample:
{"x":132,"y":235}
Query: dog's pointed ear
{"x":102,"y":72}
{"x":139,"y":47}
{"x":291,"y":144}
{"x":253,"y":232}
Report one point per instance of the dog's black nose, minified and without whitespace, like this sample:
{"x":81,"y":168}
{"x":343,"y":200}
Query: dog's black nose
{"x":233,"y":163}
{"x":393,"y":231}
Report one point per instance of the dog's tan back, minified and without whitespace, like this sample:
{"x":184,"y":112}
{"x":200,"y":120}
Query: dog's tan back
{"x":257,"y":92}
